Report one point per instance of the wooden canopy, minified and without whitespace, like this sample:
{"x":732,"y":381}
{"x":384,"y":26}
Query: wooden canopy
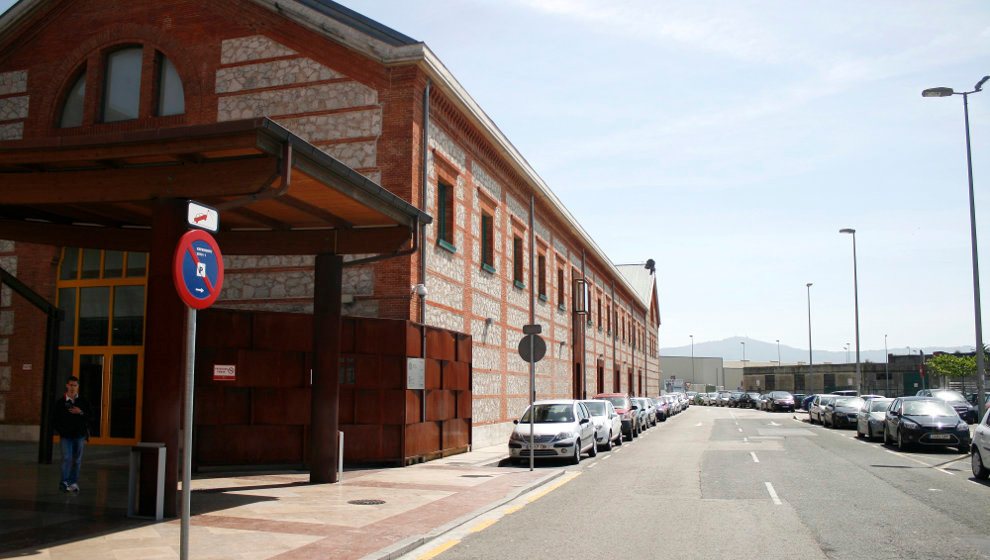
{"x":277,"y":194}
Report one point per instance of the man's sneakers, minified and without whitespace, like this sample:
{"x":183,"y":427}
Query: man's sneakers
{"x":68,"y":488}
{"x":63,"y":486}
{"x":74,"y":488}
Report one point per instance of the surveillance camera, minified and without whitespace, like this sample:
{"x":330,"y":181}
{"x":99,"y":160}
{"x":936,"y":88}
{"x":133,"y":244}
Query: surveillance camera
{"x":420,"y":290}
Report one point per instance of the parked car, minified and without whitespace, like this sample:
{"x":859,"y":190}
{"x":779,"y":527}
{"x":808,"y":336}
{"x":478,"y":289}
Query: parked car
{"x":816,"y":409}
{"x":925,"y":421}
{"x":685,"y":402}
{"x":798,"y":400}
{"x":608,"y":423}
{"x":648,"y":411}
{"x":734,"y":397}
{"x":980,"y":460}
{"x":806,"y":402}
{"x":673,"y":403}
{"x":661,"y":407}
{"x":842,"y":412}
{"x":562,"y":429}
{"x":624,"y":407}
{"x":956,"y":400}
{"x":869,"y":419}
{"x":778,"y":400}
{"x":748,"y":400}
{"x":723,"y":398}
{"x":846,"y":393}
{"x":711,"y":399}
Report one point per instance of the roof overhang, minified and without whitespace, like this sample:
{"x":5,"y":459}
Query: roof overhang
{"x":277,"y":194}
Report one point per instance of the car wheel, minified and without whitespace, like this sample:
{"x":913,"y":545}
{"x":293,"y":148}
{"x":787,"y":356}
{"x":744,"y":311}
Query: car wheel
{"x":608,"y":442}
{"x":979,"y":471}
{"x":901,"y":444}
{"x":577,"y":452}
{"x":885,"y":435}
{"x":859,"y":434}
{"x":869,"y":431}
{"x":593,"y":452}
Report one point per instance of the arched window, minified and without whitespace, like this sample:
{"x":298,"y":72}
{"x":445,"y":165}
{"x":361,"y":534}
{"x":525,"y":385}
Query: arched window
{"x":72,"y":111}
{"x":124,"y":95}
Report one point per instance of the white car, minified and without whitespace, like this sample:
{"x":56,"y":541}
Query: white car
{"x":980,"y":459}
{"x":608,"y":423}
{"x":562,"y":429}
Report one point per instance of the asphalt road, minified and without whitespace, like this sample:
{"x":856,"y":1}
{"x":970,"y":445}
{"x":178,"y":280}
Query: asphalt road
{"x":717,"y":482}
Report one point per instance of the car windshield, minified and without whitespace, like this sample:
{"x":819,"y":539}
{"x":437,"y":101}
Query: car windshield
{"x":754,"y":395}
{"x":948,"y":396}
{"x":779,"y":395}
{"x":879,"y":405}
{"x":618,"y":402}
{"x":851,"y":402}
{"x":550,"y":413}
{"x":928,"y":408}
{"x":596,"y":408}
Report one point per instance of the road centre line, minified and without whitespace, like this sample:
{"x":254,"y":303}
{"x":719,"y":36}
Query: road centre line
{"x":773,"y":494}
{"x":753,"y":455}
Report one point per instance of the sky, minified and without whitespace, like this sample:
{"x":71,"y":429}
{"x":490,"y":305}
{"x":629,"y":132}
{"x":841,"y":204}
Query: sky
{"x":730,"y":141}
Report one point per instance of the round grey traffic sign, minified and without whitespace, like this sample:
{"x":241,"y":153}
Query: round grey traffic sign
{"x":539,"y":348}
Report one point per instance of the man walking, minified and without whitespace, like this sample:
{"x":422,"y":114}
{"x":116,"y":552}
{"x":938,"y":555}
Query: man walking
{"x":72,"y":416}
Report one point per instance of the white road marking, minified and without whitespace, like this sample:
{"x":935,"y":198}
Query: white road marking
{"x":773,"y":494}
{"x":740,"y":429}
{"x":753,"y":455}
{"x":698,"y":425}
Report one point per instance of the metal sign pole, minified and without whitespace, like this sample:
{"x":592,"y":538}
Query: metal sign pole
{"x":187,"y":431}
{"x":532,"y":321}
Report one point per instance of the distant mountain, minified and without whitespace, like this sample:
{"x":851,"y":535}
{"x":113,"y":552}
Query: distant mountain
{"x":731,"y":349}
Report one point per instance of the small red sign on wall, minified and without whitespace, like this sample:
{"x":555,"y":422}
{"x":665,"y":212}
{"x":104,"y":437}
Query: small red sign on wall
{"x":224,"y":372}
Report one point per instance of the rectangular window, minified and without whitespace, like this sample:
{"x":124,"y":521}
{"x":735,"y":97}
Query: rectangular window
{"x":560,"y":288}
{"x":445,"y":216}
{"x":542,"y":272}
{"x":599,"y":312}
{"x":517,"y":261}
{"x":487,"y":242}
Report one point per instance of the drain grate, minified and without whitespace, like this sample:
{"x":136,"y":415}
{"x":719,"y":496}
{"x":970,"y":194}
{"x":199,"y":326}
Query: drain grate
{"x":367,"y":502}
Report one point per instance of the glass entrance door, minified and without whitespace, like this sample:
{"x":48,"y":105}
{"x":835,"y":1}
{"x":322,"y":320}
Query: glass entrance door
{"x":102,"y":294}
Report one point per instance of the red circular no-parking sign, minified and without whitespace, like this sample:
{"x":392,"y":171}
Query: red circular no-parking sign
{"x":197,"y":269}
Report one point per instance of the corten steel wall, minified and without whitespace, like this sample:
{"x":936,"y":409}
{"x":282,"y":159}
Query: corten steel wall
{"x":22,"y":339}
{"x":262,"y":417}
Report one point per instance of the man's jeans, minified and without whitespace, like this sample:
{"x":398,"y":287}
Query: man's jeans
{"x":72,"y":450}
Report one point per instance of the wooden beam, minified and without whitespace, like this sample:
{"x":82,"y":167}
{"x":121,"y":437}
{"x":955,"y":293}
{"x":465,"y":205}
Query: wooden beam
{"x":224,"y":178}
{"x":313,"y":242}
{"x":76,"y":236}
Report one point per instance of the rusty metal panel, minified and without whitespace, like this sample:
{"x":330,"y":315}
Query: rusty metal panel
{"x":218,"y":328}
{"x":434,"y":375}
{"x":392,"y":372}
{"x":282,"y":331}
{"x":347,"y":335}
{"x":380,"y":337}
{"x":464,"y":403}
{"x":440,"y":405}
{"x":367,"y":371}
{"x":422,"y":438}
{"x":362,"y":442}
{"x":439,"y":344}
{"x":414,"y":340}
{"x":455,"y":433}
{"x":244,"y":445}
{"x":413,"y":404}
{"x":464,"y":348}
{"x":393,"y":406}
{"x":367,"y":406}
{"x":345,"y":407}
{"x":270,"y":368}
{"x":281,"y":406}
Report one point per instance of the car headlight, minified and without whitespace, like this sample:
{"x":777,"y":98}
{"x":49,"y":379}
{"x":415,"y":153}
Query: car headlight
{"x":910,"y":424}
{"x":516,"y":436}
{"x":962,"y":426}
{"x":565,"y":436}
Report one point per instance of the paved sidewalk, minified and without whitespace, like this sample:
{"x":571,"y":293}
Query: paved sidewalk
{"x":251,"y":515}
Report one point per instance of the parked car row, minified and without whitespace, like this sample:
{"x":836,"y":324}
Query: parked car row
{"x":772,"y":401}
{"x":568,"y":428}
{"x":928,"y":420}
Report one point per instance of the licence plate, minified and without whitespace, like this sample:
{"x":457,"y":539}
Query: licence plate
{"x":537,"y":446}
{"x":941,"y":436}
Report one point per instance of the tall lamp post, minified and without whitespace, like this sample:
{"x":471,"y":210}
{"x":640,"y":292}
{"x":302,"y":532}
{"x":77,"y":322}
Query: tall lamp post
{"x":946,"y":92}
{"x":811,"y":368}
{"x":744,"y":352}
{"x":778,"y":352}
{"x":886,"y":366}
{"x":692,"y":357}
{"x":859,"y":373}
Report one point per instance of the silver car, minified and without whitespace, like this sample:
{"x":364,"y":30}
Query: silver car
{"x":980,"y":459}
{"x":608,"y":424}
{"x":869,"y":420}
{"x":816,"y":410}
{"x":562,"y":429}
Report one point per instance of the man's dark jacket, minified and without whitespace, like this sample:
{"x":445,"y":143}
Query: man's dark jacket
{"x":70,"y":425}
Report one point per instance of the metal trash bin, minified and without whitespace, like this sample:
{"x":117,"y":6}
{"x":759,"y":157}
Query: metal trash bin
{"x":135,"y":462}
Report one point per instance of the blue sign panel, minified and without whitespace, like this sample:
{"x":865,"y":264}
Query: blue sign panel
{"x":198,"y":269}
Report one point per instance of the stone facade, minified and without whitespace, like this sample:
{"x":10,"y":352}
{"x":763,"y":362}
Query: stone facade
{"x":13,"y":107}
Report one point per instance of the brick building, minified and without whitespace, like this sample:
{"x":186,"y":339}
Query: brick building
{"x":287,"y":116}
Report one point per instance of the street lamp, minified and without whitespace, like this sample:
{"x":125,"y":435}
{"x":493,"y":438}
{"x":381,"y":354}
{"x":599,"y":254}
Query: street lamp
{"x":846,"y":348}
{"x":811,"y":368}
{"x":946,"y":92}
{"x":744,"y":352}
{"x":886,"y":366}
{"x":859,"y":374}
{"x":692,"y":357}
{"x":778,"y":351}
